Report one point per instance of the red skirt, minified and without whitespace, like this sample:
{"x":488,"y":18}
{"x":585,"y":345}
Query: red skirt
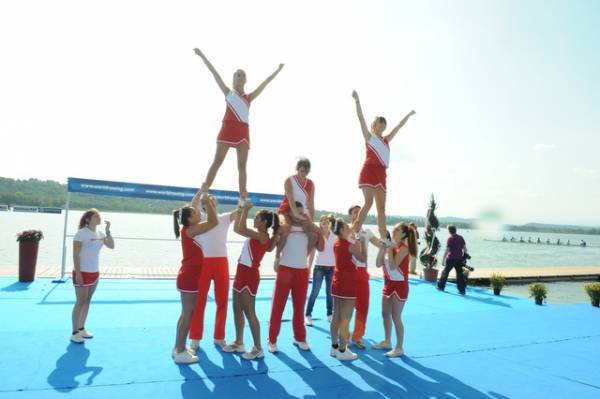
{"x":246,"y":278}
{"x":89,"y":279}
{"x":344,"y":285}
{"x":188,"y":278}
{"x":398,"y":288}
{"x":373,"y":176}
{"x":234,"y":133}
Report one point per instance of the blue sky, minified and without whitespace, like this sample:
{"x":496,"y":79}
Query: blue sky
{"x":507,"y":96}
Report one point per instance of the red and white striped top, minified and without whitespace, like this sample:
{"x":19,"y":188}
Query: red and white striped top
{"x":378,"y":151}
{"x":238,"y":107}
{"x":253,"y":252}
{"x":302,"y":192}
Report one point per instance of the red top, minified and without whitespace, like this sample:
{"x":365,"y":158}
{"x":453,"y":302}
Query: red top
{"x":344,"y":267}
{"x":192,"y":252}
{"x":302,"y":191}
{"x":253,"y":252}
{"x":239,"y":114}
{"x":373,"y":158}
{"x":404,"y":262}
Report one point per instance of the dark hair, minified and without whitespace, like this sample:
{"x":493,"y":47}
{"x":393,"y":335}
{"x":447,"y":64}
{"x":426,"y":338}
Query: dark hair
{"x":87,"y":215}
{"x":381,"y":119}
{"x":451,"y":229}
{"x":299,"y":204}
{"x":186,"y":212}
{"x":410,"y":233}
{"x":336,"y":225}
{"x":271,"y":218}
{"x":353,"y":207}
{"x":303,"y":162}
{"x":414,"y":226}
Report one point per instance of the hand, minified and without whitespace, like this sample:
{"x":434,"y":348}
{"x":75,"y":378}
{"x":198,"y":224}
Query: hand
{"x":411,"y":113}
{"x":78,"y":278}
{"x":355,"y":95}
{"x":248,"y":205}
{"x":198,"y":52}
{"x":280,"y":67}
{"x":107,"y":222}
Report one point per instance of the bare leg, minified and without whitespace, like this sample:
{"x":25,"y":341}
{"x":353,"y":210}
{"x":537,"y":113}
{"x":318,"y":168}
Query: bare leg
{"x":386,"y":313}
{"x":397,"y":307}
{"x":248,"y":303}
{"x":238,"y":317}
{"x":242,"y":157}
{"x":188,"y":301}
{"x":214,"y":168}
{"x":86,"y":306}
{"x":380,"y":204}
{"x":81,"y":294}
{"x":335,"y":321}
{"x":346,"y":309}
{"x":368,"y":193}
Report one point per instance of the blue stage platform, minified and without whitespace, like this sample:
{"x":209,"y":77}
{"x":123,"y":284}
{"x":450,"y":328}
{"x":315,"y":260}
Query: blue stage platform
{"x":478,"y":346}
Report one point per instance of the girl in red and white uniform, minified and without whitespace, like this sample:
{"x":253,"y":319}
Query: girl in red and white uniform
{"x":188,"y":277}
{"x":343,"y":288}
{"x":298,"y":189}
{"x":247,"y":277}
{"x":395,"y":288}
{"x":234,"y":131}
{"x":86,"y":268}
{"x":372,"y":179}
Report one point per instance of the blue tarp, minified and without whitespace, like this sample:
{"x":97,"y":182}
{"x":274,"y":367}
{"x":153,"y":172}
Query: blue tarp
{"x":152,"y":191}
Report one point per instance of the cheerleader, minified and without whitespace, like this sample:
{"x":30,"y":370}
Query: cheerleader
{"x":395,"y":289}
{"x":247,"y":277}
{"x":234,"y":131}
{"x":372,"y":179}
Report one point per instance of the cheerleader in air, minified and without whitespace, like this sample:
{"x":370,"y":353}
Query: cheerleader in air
{"x":234,"y":130}
{"x":372,"y":179}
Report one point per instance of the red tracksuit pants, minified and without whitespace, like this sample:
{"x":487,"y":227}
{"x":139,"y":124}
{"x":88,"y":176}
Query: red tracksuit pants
{"x":362,"y":303}
{"x":296,"y":281}
{"x":217,"y":270}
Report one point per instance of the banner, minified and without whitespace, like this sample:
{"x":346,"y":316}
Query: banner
{"x":151,"y":191}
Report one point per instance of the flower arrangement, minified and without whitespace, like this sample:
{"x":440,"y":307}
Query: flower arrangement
{"x":538,"y":291}
{"x":30,"y":236}
{"x":497,"y":281}
{"x":593,"y":290}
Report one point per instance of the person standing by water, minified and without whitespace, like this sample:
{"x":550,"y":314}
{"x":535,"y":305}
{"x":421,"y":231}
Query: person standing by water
{"x":323,"y":270}
{"x":188,"y":277}
{"x":453,"y":259}
{"x":86,"y":268}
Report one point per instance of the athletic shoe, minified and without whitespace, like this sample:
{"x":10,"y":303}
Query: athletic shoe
{"x":346,"y":355}
{"x":333,"y":352}
{"x":308,"y":320}
{"x":329,"y":318}
{"x":194,"y":344}
{"x":359,"y":344}
{"x":233,"y":347}
{"x":272,"y":347}
{"x":395,"y":353}
{"x":302,"y":345}
{"x":386,"y":242}
{"x":189,"y":350}
{"x":220,"y":343}
{"x":254,"y":354}
{"x":77,"y":338}
{"x":242,"y":202}
{"x":185,"y":357}
{"x":382,"y":345}
{"x":86,"y":334}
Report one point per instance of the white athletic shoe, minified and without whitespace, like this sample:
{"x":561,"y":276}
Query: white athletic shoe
{"x":220,"y":343}
{"x":233,"y":347}
{"x":346,"y":355}
{"x":308,"y":320}
{"x":395,"y":353}
{"x":254,"y":354}
{"x":77,"y":338}
{"x":86,"y":334}
{"x":302,"y":345}
{"x":329,"y":318}
{"x":194,"y":344}
{"x":189,"y":350}
{"x":382,"y":345}
{"x":333,"y":352}
{"x":185,"y":357}
{"x":272,"y":347}
{"x":242,"y":202}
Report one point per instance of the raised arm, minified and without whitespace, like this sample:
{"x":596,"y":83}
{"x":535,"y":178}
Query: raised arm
{"x":196,"y":200}
{"x":214,"y":72}
{"x":363,"y":125}
{"x":392,"y":134}
{"x":211,"y":221}
{"x":264,"y":84}
{"x":242,"y":227}
{"x":380,"y":257}
{"x":359,"y":250}
{"x":108,"y":240}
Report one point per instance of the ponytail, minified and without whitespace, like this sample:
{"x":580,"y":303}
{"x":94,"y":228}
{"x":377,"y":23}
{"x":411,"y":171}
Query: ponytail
{"x":180,"y":217}
{"x":271,"y":219}
{"x":411,"y":236}
{"x":274,"y":222}
{"x":336,"y":225}
{"x":86,"y":217}
{"x":176,"y":213}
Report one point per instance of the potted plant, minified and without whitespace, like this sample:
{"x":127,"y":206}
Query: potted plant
{"x":539,"y":292}
{"x":466,"y":273}
{"x":28,"y":250}
{"x":497,"y":281}
{"x":593,"y":290}
{"x":427,"y":255}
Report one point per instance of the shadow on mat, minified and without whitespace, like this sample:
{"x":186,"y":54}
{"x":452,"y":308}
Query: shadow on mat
{"x":16,"y":286}
{"x":69,"y":366}
{"x":408,"y":378}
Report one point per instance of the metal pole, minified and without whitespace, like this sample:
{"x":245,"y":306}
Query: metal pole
{"x":64,"y":243}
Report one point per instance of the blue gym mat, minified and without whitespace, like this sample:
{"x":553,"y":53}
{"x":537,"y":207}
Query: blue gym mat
{"x":477,"y":346}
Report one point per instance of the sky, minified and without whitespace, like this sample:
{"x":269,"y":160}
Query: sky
{"x":506,"y":94}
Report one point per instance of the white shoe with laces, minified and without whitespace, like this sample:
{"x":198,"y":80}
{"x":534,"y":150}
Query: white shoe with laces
{"x":77,"y":338}
{"x":233,"y":347}
{"x":86,"y":334}
{"x":272,"y":347}
{"x":333,"y":352}
{"x":302,"y":345}
{"x":308,"y":320}
{"x":346,"y":355}
{"x":185,"y":357}
{"x":254,"y":354}
{"x":395,"y":353}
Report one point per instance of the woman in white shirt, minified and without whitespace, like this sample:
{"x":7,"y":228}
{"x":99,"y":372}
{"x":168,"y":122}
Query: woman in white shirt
{"x":86,"y":268}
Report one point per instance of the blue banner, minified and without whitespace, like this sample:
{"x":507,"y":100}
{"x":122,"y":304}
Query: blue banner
{"x":151,"y":191}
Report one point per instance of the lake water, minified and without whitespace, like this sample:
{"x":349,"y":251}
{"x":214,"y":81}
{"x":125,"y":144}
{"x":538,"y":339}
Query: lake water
{"x":166,"y":251}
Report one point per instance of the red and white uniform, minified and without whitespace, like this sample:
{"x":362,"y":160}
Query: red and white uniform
{"x":373,"y":173}
{"x":247,"y":276}
{"x":191,"y":264}
{"x":234,"y":129}
{"x":303,"y":191}
{"x":344,"y":275}
{"x":362,"y":290}
{"x":396,"y":280}
{"x":89,"y":255}
{"x":292,"y":276}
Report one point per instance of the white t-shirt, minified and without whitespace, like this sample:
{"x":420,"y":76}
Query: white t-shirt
{"x":295,"y":252}
{"x":326,"y":256}
{"x":368,"y":234}
{"x":89,"y":256}
{"x":214,"y":241}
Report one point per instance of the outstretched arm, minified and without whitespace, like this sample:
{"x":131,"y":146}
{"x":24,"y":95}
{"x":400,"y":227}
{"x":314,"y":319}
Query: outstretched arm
{"x":363,"y":125}
{"x":264,"y":84}
{"x":211,"y":221}
{"x":212,"y":70}
{"x":242,"y":228}
{"x":392,"y":134}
